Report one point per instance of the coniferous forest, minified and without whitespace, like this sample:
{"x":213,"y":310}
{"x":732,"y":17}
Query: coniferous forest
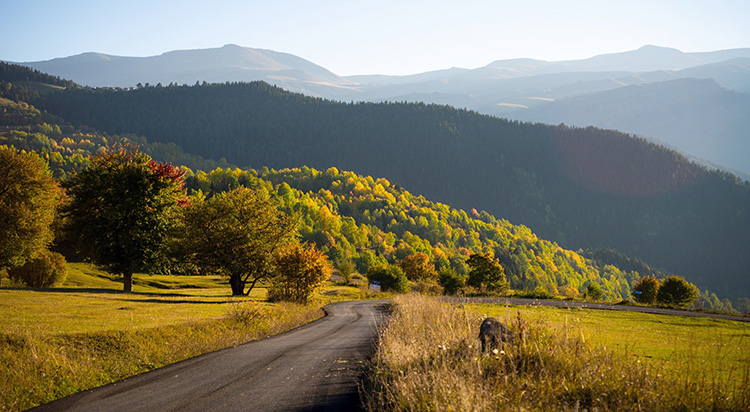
{"x":579,"y":188}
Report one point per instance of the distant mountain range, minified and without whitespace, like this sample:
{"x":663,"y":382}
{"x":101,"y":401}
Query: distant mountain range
{"x":636,"y":91}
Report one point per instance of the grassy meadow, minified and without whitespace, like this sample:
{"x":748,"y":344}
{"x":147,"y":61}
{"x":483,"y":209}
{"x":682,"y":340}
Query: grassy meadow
{"x":560,"y":360}
{"x":676,"y":345}
{"x":58,"y":341}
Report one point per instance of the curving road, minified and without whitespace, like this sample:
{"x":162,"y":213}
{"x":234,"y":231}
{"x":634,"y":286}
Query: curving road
{"x":312,"y":368}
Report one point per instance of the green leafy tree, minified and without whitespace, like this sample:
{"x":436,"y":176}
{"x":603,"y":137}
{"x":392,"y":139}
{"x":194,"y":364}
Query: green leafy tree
{"x":45,"y":270}
{"x":346,"y":269}
{"x":391,"y":278}
{"x":450,"y":280}
{"x":235,"y":234}
{"x":27,"y":207}
{"x":300,"y":270}
{"x":648,"y":288}
{"x":743,"y":305}
{"x":417,"y":267}
{"x":486,"y":273}
{"x":593,"y":291}
{"x":121,"y":208}
{"x":676,"y":291}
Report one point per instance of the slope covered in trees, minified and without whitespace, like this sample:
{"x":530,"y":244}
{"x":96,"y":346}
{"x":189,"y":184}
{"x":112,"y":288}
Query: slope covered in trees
{"x":358,"y":219}
{"x":583,"y":188}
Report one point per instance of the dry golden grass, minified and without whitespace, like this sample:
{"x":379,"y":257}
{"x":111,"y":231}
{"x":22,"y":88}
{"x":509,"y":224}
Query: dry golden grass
{"x":428,"y":360}
{"x":56,"y":342}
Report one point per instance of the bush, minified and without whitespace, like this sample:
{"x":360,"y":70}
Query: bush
{"x":391,"y":278}
{"x":47,"y":269}
{"x":301,"y":270}
{"x":346,"y":269}
{"x":648,"y":287}
{"x":417,"y":267}
{"x":538,"y":293}
{"x":593,"y":291}
{"x":450,"y":280}
{"x":486,"y":273}
{"x":676,"y":291}
{"x":427,"y":287}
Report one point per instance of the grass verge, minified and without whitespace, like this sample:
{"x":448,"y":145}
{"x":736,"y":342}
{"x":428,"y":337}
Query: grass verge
{"x":419,"y":366}
{"x":57,"y":342}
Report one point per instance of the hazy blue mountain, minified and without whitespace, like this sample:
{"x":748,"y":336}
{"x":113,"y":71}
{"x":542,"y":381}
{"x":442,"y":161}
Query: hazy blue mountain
{"x":524,"y":89}
{"x":696,"y":116}
{"x":229,"y":63}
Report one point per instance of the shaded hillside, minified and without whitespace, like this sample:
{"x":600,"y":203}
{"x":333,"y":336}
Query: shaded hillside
{"x":350,"y":217}
{"x":580,"y":187}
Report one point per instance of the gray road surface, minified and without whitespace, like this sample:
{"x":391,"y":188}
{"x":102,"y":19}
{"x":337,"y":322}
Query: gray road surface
{"x":312,"y":368}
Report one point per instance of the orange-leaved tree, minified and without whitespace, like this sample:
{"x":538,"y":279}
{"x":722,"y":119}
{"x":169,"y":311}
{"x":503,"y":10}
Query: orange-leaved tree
{"x":300,"y":270}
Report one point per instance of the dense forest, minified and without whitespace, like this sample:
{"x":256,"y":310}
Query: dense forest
{"x":356,"y":218}
{"x":581,"y":188}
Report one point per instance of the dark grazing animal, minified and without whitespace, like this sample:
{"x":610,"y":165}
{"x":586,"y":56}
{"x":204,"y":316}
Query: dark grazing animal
{"x":492,"y":333}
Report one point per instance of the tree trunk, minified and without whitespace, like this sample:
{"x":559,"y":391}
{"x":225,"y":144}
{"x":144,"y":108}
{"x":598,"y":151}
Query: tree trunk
{"x":127,"y":280}
{"x":237,"y":284}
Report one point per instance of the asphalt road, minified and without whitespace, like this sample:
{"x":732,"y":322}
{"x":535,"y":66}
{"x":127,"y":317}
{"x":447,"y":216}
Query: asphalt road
{"x":312,"y":368}
{"x":603,"y":306}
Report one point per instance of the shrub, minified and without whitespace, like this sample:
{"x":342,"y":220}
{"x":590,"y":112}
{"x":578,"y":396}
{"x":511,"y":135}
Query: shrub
{"x":346,"y":269}
{"x":486,"y":273}
{"x":648,"y":288}
{"x":245,"y":312}
{"x":47,"y":269}
{"x":538,"y":293}
{"x":450,"y":280}
{"x":391,"y":278}
{"x":301,"y":270}
{"x":417,"y":267}
{"x":676,"y":291}
{"x":593,"y":291}
{"x":427,"y":287}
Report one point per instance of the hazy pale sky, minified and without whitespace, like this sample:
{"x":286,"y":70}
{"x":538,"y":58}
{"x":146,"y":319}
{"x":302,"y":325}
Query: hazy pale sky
{"x":365,"y":37}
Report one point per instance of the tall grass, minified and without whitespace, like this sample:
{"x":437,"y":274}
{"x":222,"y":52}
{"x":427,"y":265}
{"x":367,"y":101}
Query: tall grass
{"x":428,"y":359}
{"x":37,"y":368}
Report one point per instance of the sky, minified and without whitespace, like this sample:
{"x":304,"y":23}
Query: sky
{"x":350,"y":37}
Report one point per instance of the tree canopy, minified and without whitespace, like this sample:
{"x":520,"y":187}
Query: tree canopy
{"x":645,"y":290}
{"x":28,"y":195}
{"x":486,"y":273}
{"x":235,"y":234}
{"x":121,"y":209}
{"x":676,"y":291}
{"x":300,"y":270}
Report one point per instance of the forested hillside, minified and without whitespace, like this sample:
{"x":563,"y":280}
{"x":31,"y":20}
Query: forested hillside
{"x":362,"y":219}
{"x":582,"y":188}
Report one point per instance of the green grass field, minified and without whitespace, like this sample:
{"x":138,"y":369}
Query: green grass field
{"x":86,"y":333}
{"x":429,"y":358}
{"x":702,"y":347}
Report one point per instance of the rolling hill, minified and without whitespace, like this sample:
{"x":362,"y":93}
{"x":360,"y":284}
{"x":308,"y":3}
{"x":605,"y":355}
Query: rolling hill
{"x":581,"y":187}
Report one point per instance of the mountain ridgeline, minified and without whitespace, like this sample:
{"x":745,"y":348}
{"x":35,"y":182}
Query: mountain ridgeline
{"x":582,"y":188}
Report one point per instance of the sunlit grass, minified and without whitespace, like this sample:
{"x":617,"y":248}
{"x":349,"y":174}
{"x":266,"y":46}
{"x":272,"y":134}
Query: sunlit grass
{"x":428,"y":359}
{"x":91,"y":300}
{"x":702,"y":347}
{"x":58,"y":341}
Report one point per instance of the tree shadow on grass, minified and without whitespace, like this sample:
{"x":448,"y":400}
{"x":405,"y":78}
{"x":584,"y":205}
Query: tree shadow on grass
{"x":135,"y":295}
